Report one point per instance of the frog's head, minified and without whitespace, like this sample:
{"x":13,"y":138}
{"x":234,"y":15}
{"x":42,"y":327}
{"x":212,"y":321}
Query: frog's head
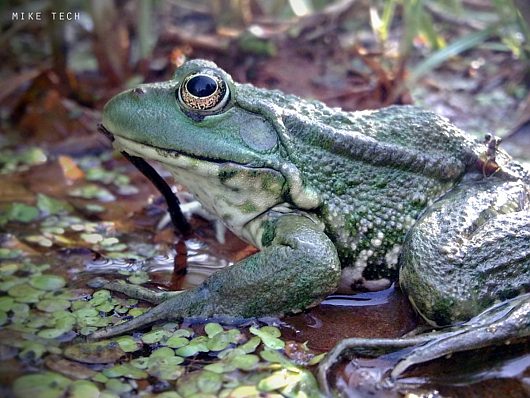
{"x":194,"y":114}
{"x":215,"y":143}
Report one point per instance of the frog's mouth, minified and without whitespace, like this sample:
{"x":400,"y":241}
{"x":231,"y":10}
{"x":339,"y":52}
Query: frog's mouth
{"x":170,"y":157}
{"x":173,"y":204}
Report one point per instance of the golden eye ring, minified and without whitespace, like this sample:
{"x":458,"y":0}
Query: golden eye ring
{"x":204,"y":92}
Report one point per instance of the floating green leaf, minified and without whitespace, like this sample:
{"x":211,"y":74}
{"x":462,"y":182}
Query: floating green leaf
{"x":83,"y":389}
{"x":177,"y":342}
{"x":91,"y":237}
{"x":128,"y":344}
{"x":191,"y":349}
{"x":209,"y":382}
{"x":85,"y":312}
{"x":118,"y":387}
{"x":51,"y":333}
{"x":155,"y":336}
{"x":212,"y":329}
{"x":163,"y":352}
{"x":218,"y":342}
{"x":20,"y":310}
{"x":40,"y":240}
{"x":134,"y":312}
{"x":245,"y":362}
{"x":22,"y":212}
{"x":64,"y":321}
{"x":165,"y":368}
{"x":6,"y":303}
{"x":51,"y":305}
{"x":245,"y":392}
{"x":39,"y":320}
{"x":47,"y":282}
{"x":220,"y":367}
{"x":32,"y":350}
{"x":109,"y":241}
{"x":92,"y":191}
{"x":251,"y":345}
{"x":269,"y":335}
{"x":50,"y":205}
{"x":100,"y":297}
{"x":94,"y":208}
{"x":6,"y":253}
{"x":182,"y":333}
{"x":273,"y":356}
{"x":235,"y":336}
{"x":125,"y":370}
{"x":41,"y":385}
{"x":138,"y":278}
{"x":106,"y":307}
{"x":278,"y":380}
{"x":24,"y":293}
{"x":316,"y":359}
{"x":100,"y":378}
{"x":271,"y":330}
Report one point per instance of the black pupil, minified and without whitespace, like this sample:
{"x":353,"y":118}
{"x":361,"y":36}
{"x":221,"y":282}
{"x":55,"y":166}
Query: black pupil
{"x":201,"y":86}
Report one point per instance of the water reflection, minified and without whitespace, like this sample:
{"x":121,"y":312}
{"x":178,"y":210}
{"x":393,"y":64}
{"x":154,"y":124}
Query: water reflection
{"x":360,"y":299}
{"x":200,"y":263}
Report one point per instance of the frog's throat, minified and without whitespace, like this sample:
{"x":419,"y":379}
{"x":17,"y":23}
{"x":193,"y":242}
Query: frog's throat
{"x":300,"y":194}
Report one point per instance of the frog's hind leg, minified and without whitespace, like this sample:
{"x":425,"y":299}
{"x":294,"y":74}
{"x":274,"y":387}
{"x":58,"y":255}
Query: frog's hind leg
{"x":470,"y":250}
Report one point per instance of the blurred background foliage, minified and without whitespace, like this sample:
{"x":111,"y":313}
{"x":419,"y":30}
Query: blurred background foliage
{"x":355,"y":53}
{"x":441,"y":29}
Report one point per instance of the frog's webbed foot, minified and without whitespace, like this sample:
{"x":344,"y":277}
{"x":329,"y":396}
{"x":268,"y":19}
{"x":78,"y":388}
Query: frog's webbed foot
{"x":506,"y":321}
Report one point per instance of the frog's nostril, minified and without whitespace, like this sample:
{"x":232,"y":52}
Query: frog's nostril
{"x":138,"y":91}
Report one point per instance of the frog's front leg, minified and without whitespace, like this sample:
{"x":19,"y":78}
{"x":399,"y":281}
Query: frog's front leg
{"x":297,"y":267}
{"x":468,"y":251}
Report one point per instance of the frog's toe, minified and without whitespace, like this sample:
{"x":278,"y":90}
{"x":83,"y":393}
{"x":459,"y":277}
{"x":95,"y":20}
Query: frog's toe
{"x":506,"y":321}
{"x":365,"y":347}
{"x":500,"y":323}
{"x":138,"y":292}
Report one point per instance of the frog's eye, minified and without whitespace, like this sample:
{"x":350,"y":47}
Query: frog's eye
{"x":204,"y":92}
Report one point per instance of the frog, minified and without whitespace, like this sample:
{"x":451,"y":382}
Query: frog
{"x":336,"y":201}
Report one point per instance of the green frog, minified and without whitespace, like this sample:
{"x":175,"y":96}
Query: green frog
{"x":337,"y":201}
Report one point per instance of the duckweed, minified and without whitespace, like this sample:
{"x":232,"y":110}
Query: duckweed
{"x":41,"y":385}
{"x":46,"y":320}
{"x":129,"y":344}
{"x":269,"y":335}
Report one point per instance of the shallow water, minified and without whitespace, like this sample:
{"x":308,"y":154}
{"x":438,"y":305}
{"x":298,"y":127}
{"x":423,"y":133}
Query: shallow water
{"x":172,"y":263}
